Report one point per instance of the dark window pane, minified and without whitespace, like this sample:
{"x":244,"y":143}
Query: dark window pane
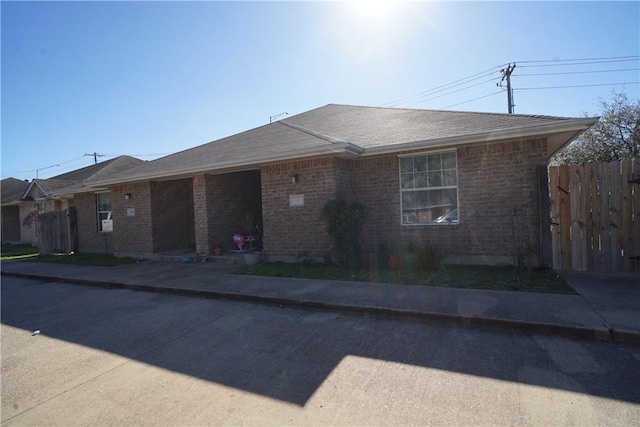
{"x":435,"y":198}
{"x":408,"y":200}
{"x":421,"y":180}
{"x":435,"y":162}
{"x":406,"y":165}
{"x":449,"y":161}
{"x":422,"y":199}
{"x":449,"y":177}
{"x":420,"y":163}
{"x":450,"y":198}
{"x":407,"y":180}
{"x":435,"y":179}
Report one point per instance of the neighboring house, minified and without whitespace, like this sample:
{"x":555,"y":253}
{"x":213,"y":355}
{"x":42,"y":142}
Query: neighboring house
{"x":12,"y":190}
{"x":464,"y":181}
{"x":44,"y":195}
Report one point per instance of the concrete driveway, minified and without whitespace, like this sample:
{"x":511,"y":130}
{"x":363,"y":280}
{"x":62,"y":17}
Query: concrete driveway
{"x":615,"y":297}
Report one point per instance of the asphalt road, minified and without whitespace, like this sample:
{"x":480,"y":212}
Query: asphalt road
{"x":119,"y":357}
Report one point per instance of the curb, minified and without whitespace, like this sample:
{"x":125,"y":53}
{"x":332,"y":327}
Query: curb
{"x":519,"y":326}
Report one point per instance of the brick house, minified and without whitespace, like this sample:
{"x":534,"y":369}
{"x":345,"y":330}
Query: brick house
{"x":52,"y":194}
{"x":464,"y":181}
{"x":12,"y":190}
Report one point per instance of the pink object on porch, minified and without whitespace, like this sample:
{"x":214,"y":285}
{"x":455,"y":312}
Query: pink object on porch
{"x":239,"y":240}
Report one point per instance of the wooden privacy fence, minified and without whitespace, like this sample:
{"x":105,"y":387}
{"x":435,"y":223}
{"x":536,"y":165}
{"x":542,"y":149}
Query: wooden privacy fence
{"x":595,"y":216}
{"x":57,"y":232}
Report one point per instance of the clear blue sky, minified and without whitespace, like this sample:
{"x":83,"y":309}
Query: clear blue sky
{"x":144,"y":78}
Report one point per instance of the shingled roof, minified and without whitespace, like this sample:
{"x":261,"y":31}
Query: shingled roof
{"x":349,"y":132}
{"x":76,"y":179}
{"x":72,"y":182}
{"x":12,"y":190}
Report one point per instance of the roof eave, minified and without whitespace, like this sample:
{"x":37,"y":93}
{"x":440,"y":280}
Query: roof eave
{"x":571,"y":127}
{"x":340,"y":149}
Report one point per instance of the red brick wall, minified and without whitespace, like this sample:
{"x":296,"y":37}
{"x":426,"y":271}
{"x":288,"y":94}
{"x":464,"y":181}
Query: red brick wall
{"x":90,"y":240}
{"x":493,"y":179}
{"x":132,"y":234}
{"x":292,"y":231}
{"x":172,"y":215}
{"x":203,"y":239}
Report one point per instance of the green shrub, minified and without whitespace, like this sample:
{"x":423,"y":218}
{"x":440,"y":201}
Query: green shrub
{"x":426,"y":257}
{"x":344,"y":224}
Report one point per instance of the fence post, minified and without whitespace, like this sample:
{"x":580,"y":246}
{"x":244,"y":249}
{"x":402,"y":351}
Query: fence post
{"x":635,"y":208}
{"x":556,"y":238}
{"x":544,"y":207}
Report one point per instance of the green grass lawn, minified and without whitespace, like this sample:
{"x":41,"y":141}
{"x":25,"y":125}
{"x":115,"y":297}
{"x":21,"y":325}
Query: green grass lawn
{"x":452,"y":276}
{"x":98,"y":260}
{"x":30,"y":254}
{"x":10,"y":251}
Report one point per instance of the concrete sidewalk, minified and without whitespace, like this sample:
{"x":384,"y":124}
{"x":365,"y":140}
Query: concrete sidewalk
{"x":607,"y":309}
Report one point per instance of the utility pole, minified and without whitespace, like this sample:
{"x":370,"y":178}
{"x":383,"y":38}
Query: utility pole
{"x":95,"y":157}
{"x":506,"y":74}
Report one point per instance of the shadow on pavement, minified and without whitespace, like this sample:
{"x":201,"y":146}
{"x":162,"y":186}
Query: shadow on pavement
{"x":287,"y":353}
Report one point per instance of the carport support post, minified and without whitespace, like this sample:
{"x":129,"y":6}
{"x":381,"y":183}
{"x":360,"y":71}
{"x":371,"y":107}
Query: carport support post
{"x":201,"y":215}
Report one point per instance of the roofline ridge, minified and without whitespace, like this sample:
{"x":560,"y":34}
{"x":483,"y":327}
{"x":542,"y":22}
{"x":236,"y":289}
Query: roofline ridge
{"x":490,"y":113}
{"x":313,"y":133}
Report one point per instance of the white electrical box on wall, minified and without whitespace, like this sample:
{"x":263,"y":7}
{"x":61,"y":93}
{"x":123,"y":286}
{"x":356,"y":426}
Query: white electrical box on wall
{"x":296,"y":200}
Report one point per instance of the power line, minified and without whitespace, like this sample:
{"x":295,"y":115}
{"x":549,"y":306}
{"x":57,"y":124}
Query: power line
{"x":413,"y":99}
{"x":454,"y":91}
{"x":446,"y":86}
{"x":141,"y":155}
{"x":574,"y":86}
{"x":442,"y":88}
{"x":470,"y":100}
{"x":578,"y":63}
{"x":581,"y":59}
{"x":39,"y":169}
{"x":576,"y":72}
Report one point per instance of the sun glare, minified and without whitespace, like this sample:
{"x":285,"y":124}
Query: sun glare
{"x":373,"y":8}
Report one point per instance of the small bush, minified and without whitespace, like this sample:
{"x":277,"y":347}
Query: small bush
{"x":427,"y":257}
{"x":344,"y":223}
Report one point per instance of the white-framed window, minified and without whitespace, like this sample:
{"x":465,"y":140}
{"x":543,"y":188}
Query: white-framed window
{"x":429,"y":189}
{"x":44,"y":207}
{"x":103,"y":202}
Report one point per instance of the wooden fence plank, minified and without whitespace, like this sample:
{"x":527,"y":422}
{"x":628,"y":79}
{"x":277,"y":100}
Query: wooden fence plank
{"x":605,"y":224}
{"x":635,"y":207}
{"x":53,"y":229}
{"x":73,"y":229}
{"x":565,"y":217}
{"x":593,"y":217}
{"x":556,"y":238}
{"x":578,"y":237}
{"x":615,"y":208}
{"x":626,"y":215}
